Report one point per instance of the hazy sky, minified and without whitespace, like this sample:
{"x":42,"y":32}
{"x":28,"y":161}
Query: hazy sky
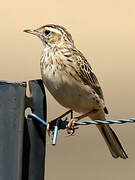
{"x":105,"y":32}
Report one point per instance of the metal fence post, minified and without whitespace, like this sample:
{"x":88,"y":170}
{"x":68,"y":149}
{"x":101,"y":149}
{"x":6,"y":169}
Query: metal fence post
{"x":22,"y":141}
{"x":34,"y":140}
{"x":12,"y":103}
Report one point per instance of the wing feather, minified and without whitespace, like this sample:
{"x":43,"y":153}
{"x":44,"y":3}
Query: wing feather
{"x":84,"y":71}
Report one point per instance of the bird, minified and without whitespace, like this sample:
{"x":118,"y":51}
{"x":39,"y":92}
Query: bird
{"x":71,"y":80}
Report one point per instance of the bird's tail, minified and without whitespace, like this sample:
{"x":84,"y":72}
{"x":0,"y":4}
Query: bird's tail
{"x":109,"y":136}
{"x":112,"y":141}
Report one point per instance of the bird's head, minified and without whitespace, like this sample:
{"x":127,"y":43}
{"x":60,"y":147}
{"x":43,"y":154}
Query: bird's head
{"x":52,"y":35}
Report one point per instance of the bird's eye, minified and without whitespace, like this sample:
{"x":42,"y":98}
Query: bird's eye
{"x":47,"y":32}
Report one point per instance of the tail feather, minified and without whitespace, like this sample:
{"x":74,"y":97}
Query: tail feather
{"x":112,"y":141}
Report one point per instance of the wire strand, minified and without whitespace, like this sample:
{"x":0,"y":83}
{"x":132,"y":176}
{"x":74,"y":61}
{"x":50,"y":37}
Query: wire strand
{"x":60,"y":124}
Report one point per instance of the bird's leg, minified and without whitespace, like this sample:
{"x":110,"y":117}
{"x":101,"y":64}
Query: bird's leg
{"x":71,"y":125}
{"x":52,"y":123}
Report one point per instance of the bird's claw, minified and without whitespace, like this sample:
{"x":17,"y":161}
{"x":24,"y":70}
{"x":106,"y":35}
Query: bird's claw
{"x":71,"y":127}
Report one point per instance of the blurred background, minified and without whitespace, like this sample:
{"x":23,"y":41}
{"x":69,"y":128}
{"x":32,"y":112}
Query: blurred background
{"x":105,"y":32}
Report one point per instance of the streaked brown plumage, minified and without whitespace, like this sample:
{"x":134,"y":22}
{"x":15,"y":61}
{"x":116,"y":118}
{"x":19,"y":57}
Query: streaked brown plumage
{"x":70,"y":79}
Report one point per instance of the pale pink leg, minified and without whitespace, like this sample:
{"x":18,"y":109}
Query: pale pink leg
{"x":71,"y":125}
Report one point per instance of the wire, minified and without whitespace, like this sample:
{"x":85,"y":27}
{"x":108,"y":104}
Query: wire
{"x":60,"y":124}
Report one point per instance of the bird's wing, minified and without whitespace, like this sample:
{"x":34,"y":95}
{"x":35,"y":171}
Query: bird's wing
{"x":84,"y":71}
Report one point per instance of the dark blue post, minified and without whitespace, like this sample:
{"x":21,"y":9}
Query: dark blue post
{"x":22,"y":141}
{"x":34,"y":141}
{"x":12,"y":103}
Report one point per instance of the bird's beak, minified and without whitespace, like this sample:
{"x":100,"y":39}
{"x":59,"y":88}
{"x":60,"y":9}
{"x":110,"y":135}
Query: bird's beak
{"x":31,"y":31}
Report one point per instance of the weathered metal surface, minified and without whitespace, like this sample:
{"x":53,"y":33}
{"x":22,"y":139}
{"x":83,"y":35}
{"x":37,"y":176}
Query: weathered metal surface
{"x":12,"y":102}
{"x":34,"y":142}
{"x":22,"y":142}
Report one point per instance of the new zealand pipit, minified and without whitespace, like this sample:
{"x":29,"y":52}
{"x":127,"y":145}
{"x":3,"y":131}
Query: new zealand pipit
{"x":70,"y":79}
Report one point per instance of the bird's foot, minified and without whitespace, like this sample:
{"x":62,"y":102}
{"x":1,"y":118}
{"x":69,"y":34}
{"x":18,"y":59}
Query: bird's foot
{"x":71,"y":126}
